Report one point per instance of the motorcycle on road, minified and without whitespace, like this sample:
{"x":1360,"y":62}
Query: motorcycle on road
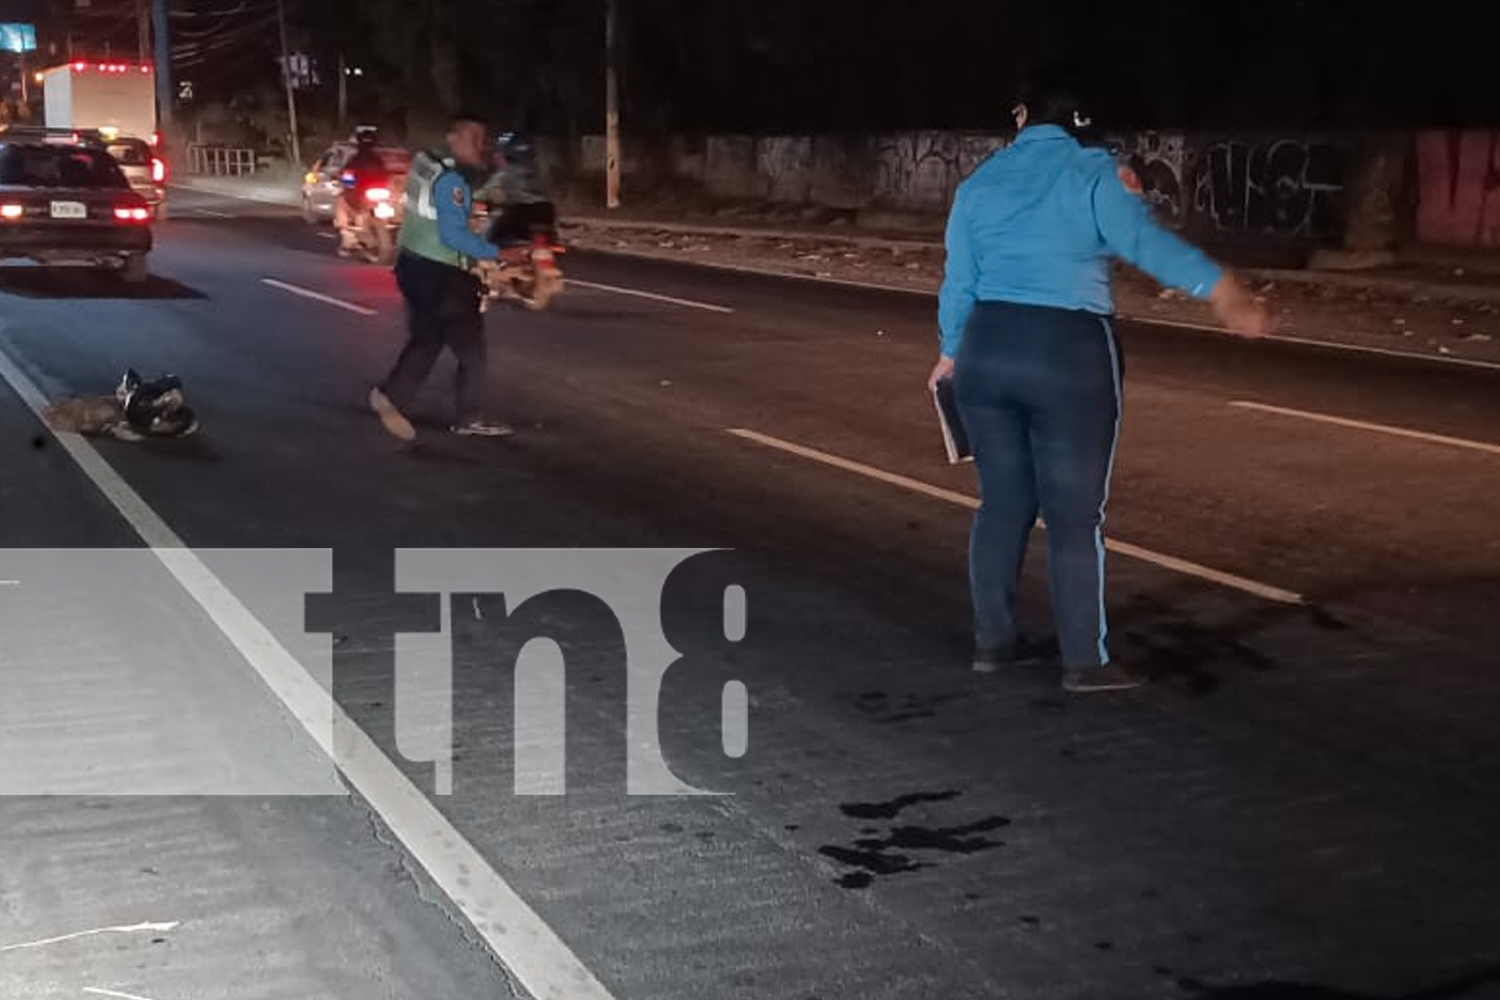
{"x":374,"y":221}
{"x":527,"y":274}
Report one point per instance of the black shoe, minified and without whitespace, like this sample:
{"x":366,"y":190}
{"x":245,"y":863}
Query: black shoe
{"x":1021,"y":653}
{"x":1111,"y":677}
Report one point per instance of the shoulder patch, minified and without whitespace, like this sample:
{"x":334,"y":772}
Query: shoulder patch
{"x":458,"y":196}
{"x":1131,"y":180}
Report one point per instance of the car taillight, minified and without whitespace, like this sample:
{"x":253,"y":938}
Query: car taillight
{"x":133,"y":214}
{"x":378,"y":194}
{"x":12,"y":211}
{"x":158,"y":170}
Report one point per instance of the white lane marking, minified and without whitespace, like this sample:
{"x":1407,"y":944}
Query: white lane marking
{"x":308,"y":293}
{"x":874,"y":286}
{"x":216,"y":215}
{"x":964,"y":500}
{"x":516,"y":934}
{"x":1323,"y":418}
{"x":96,"y":991}
{"x":327,"y":236}
{"x":157,"y":928}
{"x":650,"y":295}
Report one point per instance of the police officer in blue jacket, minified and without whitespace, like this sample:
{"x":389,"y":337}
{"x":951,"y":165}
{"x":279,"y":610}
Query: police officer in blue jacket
{"x":434,"y":272}
{"x":1027,"y":338}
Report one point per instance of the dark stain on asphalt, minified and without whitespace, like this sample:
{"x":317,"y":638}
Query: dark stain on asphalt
{"x":893,"y":808}
{"x":892,"y":853}
{"x":947,"y":840}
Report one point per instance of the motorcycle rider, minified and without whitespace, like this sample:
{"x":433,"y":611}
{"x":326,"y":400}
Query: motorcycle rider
{"x":364,"y":170}
{"x":518,"y":188}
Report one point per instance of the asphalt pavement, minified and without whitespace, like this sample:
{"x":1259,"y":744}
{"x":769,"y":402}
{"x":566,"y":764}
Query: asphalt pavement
{"x":1302,"y":557}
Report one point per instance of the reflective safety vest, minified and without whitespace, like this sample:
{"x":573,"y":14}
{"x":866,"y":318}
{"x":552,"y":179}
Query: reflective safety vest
{"x":419,"y":225}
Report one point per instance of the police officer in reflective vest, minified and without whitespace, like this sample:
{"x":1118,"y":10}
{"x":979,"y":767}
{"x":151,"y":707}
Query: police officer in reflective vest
{"x":1025,"y":313}
{"x":437,"y":250}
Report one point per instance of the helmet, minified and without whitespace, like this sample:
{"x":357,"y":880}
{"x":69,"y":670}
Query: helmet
{"x":516,"y":147}
{"x":366,"y":136}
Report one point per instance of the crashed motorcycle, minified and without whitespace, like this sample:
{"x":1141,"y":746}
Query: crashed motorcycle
{"x":374,"y":221}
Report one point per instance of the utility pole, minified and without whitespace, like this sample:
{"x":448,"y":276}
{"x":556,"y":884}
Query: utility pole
{"x":165,"y":97}
{"x":291,"y":100}
{"x":611,"y":109}
{"x":143,"y":27}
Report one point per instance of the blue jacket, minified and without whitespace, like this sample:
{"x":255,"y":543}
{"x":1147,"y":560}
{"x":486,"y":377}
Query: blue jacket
{"x":453,"y":199}
{"x":1037,"y":224}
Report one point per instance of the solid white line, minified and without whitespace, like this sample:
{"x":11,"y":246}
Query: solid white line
{"x":308,"y":293}
{"x":873,"y":286}
{"x":216,"y":215}
{"x":650,"y":295}
{"x":518,"y":937}
{"x":1323,"y":418}
{"x":122,"y":929}
{"x":964,"y":500}
{"x":113,"y":993}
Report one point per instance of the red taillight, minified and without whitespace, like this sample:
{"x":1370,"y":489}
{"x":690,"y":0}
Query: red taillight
{"x":133,"y":214}
{"x":378,"y":194}
{"x":158,"y":170}
{"x":12,"y":211}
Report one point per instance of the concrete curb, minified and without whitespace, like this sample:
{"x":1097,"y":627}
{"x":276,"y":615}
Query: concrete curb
{"x":1467,"y":292}
{"x":1471,"y":293}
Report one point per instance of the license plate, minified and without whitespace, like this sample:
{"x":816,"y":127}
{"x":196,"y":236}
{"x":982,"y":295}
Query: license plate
{"x":69,"y":210}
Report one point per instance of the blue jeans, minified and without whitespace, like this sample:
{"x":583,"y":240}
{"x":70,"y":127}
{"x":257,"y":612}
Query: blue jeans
{"x":1039,"y":390}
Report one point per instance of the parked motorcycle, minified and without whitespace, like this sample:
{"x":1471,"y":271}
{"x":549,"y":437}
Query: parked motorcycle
{"x":374,"y":222}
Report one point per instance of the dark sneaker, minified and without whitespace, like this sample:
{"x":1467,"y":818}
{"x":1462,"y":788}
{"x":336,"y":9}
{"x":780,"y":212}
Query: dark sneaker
{"x":483,"y":428}
{"x":1112,"y":677}
{"x":391,"y":417}
{"x":987,"y":661}
{"x":1022,"y":653}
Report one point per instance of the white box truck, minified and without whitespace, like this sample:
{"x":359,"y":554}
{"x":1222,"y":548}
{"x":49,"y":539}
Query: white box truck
{"x":114,"y":97}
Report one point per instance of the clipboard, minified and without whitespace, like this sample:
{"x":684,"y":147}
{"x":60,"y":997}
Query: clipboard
{"x":955,"y":436}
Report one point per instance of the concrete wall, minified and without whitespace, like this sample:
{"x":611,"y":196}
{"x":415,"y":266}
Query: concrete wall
{"x":1459,"y":188}
{"x":1288,"y":189}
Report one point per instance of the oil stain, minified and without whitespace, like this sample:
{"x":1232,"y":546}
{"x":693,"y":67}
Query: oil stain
{"x":893,"y":808}
{"x":873,"y":857}
{"x":948,"y":840}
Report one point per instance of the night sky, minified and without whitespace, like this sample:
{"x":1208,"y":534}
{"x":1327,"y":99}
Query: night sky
{"x":854,"y":65}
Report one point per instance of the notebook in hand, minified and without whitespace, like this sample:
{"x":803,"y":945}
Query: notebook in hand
{"x":955,"y":438}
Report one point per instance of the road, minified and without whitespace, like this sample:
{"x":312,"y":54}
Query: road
{"x":1303,"y":559}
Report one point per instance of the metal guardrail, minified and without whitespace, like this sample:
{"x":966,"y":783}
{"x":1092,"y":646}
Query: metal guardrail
{"x":220,"y":161}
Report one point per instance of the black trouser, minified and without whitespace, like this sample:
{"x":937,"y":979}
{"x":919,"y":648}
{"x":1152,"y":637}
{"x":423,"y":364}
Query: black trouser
{"x":442,"y":310}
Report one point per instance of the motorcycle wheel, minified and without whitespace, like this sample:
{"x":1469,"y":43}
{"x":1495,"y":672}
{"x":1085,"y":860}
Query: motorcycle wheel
{"x":377,"y":242}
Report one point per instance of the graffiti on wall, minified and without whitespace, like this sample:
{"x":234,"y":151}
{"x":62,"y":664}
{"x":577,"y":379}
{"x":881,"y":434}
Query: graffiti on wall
{"x":1288,"y":188}
{"x":919,"y":171}
{"x":1161,"y":162}
{"x":1283,"y":187}
{"x":783,"y":166}
{"x":1459,"y":176}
